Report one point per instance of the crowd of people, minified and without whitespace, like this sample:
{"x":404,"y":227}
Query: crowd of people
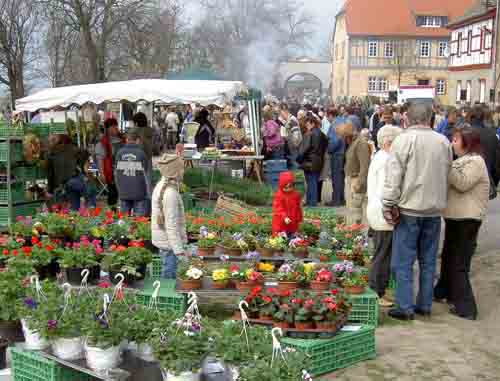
{"x":400,"y":170}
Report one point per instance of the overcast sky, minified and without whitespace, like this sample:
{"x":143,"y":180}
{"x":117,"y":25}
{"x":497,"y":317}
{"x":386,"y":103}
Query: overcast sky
{"x":324,"y":11}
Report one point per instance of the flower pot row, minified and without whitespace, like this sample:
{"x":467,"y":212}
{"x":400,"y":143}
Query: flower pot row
{"x":324,"y":326}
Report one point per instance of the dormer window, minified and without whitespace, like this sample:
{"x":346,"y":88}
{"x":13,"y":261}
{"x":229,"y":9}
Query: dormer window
{"x":432,"y":21}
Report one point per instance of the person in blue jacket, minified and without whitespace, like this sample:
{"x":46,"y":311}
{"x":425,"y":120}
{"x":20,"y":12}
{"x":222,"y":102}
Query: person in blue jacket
{"x":336,"y":149}
{"x":446,"y":126}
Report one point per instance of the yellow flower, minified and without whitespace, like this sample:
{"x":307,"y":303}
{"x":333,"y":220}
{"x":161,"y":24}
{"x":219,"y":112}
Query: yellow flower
{"x":266,"y":267}
{"x":309,"y":268}
{"x":210,"y":236}
{"x":220,"y":274}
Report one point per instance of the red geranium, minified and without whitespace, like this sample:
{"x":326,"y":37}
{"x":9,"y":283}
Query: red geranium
{"x":5,"y":252}
{"x":334,"y":292}
{"x":104,"y":284}
{"x":34,"y":240}
{"x":14,"y":253}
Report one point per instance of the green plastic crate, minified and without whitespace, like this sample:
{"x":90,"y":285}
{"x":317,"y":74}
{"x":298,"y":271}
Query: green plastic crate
{"x":29,"y":366}
{"x":168,"y":299}
{"x":16,"y":192}
{"x":42,"y":130}
{"x":155,"y":267}
{"x":26,"y":173}
{"x":365,"y":309}
{"x":9,"y":131}
{"x":344,"y":350}
{"x":57,"y":128}
{"x":16,"y":151}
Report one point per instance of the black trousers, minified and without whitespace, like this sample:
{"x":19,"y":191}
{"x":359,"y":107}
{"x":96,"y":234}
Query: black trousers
{"x":380,"y":272}
{"x":460,"y":242}
{"x":112,"y":195}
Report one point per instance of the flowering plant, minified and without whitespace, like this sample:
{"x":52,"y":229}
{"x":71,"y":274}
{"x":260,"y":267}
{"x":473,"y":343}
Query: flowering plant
{"x":323,"y":275}
{"x":331,"y":307}
{"x":293,"y":272}
{"x":12,"y":289}
{"x":277,"y":243}
{"x":220,"y":275}
{"x":22,"y":227}
{"x":305,"y":312}
{"x":190,"y":269}
{"x":208,"y":240}
{"x":343,"y":269}
{"x":244,"y":273}
{"x":265,"y":267}
{"x":81,"y":254}
{"x":42,"y":252}
{"x":355,"y":279}
{"x":298,"y":243}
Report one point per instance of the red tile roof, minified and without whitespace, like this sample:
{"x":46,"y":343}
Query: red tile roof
{"x":398,"y":17}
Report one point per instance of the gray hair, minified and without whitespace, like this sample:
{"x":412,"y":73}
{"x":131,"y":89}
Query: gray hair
{"x":420,"y":113}
{"x":387,"y":134}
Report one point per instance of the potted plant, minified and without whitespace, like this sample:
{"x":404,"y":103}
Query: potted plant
{"x":117,"y":232}
{"x":31,"y":308}
{"x":22,"y":229}
{"x":12,"y":289}
{"x":310,"y":230}
{"x":342,"y":270}
{"x":44,"y":255}
{"x":268,"y":307}
{"x":220,"y":278}
{"x":181,"y":353}
{"x":59,"y":225}
{"x":354,"y":284}
{"x":321,"y":279}
{"x":189,"y":275}
{"x":206,"y":244}
{"x":299,"y":247}
{"x":283,"y":317}
{"x":290,"y":276}
{"x":325,"y":313}
{"x":129,"y":261}
{"x":273,"y":246}
{"x":104,"y":332}
{"x":79,"y":256}
{"x":233,"y":245}
{"x":246,"y":277}
{"x":304,"y":315}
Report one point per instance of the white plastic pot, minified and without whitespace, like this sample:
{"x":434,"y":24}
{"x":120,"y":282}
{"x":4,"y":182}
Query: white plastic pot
{"x":68,"y":349}
{"x":184,"y":376}
{"x":33,"y":340}
{"x":145,"y":352}
{"x":102,"y":359}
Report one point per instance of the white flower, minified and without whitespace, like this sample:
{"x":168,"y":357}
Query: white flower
{"x":194,"y":273}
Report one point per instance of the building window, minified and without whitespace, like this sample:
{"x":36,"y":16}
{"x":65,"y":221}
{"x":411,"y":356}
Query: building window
{"x":459,"y":91}
{"x":425,"y":48}
{"x":469,"y":91}
{"x":482,"y":90}
{"x":431,"y":21}
{"x":389,"y":49}
{"x":372,"y":48}
{"x":423,"y":82}
{"x":440,"y":87}
{"x":377,"y":85}
{"x":443,"y":49}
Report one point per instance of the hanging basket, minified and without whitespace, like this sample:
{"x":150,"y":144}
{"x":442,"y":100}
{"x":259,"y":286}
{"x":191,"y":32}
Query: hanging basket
{"x":68,"y":349}
{"x":33,"y":340}
{"x":102,"y":359}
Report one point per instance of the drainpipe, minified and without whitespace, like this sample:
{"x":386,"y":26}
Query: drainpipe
{"x":495,"y":51}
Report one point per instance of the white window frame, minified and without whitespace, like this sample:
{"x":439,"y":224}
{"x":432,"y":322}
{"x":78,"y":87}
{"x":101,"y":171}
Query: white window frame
{"x":440,"y":87}
{"x":372,"y":84}
{"x":442,"y":49}
{"x":423,"y":43}
{"x":372,"y":49}
{"x":382,"y":85}
{"x":482,"y":90}
{"x":459,"y":91}
{"x":469,"y":90}
{"x":377,"y":85}
{"x":389,"y":49}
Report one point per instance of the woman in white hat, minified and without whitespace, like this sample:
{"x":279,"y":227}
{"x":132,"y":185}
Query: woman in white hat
{"x":168,"y":223}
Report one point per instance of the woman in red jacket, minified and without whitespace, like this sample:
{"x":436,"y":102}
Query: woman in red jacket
{"x":287,"y":210}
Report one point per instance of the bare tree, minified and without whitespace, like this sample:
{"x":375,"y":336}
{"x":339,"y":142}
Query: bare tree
{"x":18,"y":24}
{"x":101,"y":27}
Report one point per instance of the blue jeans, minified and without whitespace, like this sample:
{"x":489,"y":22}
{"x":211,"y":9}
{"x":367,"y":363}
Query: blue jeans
{"x":75,"y":189}
{"x":312,"y":179}
{"x":338,"y":179}
{"x":415,"y":238}
{"x":137,"y":207}
{"x":169,"y":270}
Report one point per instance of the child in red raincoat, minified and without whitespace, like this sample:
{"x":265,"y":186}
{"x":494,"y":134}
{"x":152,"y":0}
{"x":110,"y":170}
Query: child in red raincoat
{"x":287,"y":210}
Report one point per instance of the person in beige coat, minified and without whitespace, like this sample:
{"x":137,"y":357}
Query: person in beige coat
{"x":168,"y":224}
{"x":468,"y":195}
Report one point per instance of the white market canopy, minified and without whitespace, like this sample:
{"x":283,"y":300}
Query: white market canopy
{"x":148,"y":90}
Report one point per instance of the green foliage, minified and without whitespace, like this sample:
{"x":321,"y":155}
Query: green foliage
{"x":142,"y":321}
{"x":289,"y":370}
{"x":12,"y":290}
{"x":79,"y":256}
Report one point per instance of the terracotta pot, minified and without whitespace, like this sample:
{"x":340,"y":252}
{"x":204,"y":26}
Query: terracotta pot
{"x":301,"y":253}
{"x":281,"y":324}
{"x":326,"y":325}
{"x":287,"y":286}
{"x":230,"y":252}
{"x":220,"y":284}
{"x":319,"y":286}
{"x":246,"y":286}
{"x":237,"y":315}
{"x":323,"y":259}
{"x":190,"y":284}
{"x":302,"y":326}
{"x":206,"y":252}
{"x":265,"y":317}
{"x":278,"y":253}
{"x":266,"y":253}
{"x":355,"y":290}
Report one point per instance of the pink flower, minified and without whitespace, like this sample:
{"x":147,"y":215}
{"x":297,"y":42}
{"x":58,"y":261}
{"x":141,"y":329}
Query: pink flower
{"x":99,"y":250}
{"x":76,"y":245}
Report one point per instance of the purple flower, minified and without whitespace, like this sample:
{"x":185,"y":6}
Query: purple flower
{"x":286,"y":268}
{"x":252,"y":255}
{"x":52,"y":324}
{"x":237,"y":236}
{"x":224,"y":258}
{"x":349,"y":269}
{"x":203,"y":231}
{"x":30,"y":303}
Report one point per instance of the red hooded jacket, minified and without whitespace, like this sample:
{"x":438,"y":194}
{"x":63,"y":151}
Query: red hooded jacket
{"x":286,"y":204}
